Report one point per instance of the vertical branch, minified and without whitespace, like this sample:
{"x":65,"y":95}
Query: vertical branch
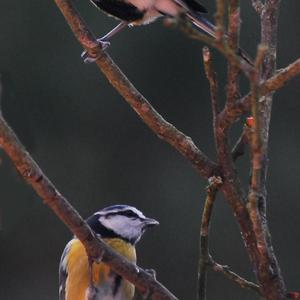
{"x":256,"y":139}
{"x":1,"y":93}
{"x":231,"y":188}
{"x":256,"y":156}
{"x":219,"y":19}
{"x":204,"y":256}
{"x":213,"y":84}
{"x":269,"y":274}
{"x":269,"y":27}
{"x":269,"y":32}
{"x":232,"y":87}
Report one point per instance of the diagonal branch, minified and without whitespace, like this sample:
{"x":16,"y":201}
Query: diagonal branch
{"x":242,"y":282}
{"x":239,"y":148}
{"x":230,"y":115}
{"x":95,"y":247}
{"x":134,"y":98}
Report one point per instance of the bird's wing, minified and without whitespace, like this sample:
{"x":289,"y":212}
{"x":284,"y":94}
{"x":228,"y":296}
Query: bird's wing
{"x":63,"y":273}
{"x":194,"y":11}
{"x":120,"y":9}
{"x":195,"y":6}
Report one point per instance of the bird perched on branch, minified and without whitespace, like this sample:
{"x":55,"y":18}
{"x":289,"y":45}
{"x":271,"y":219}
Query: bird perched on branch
{"x":121,"y":227}
{"x":141,"y":12}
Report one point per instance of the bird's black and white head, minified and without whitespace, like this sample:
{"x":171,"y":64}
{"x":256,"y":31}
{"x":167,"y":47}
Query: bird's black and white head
{"x":120,"y":221}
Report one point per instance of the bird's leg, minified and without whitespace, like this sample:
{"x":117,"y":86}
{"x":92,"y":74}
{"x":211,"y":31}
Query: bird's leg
{"x":104,"y":41}
{"x":114,"y":31}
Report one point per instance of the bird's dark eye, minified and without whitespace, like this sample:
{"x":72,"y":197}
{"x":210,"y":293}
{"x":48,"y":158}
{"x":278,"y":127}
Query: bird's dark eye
{"x":129,"y":214}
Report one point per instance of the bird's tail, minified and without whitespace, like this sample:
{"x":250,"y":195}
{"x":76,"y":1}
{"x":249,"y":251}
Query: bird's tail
{"x":204,"y":25}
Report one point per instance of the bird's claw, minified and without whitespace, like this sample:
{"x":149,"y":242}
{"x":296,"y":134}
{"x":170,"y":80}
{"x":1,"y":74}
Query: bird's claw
{"x":104,"y":44}
{"x":151,"y":272}
{"x":87,"y":59}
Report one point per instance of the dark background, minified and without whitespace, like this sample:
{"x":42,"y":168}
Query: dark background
{"x":98,"y":152}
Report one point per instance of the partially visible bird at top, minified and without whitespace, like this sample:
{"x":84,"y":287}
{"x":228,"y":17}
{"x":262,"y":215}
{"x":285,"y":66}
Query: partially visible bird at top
{"x":121,"y":227}
{"x":142,"y":12}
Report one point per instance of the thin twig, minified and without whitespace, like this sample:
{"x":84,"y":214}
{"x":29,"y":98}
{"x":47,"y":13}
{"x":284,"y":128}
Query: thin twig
{"x":230,"y":115}
{"x":215,"y":183}
{"x":95,"y":247}
{"x":219,"y":19}
{"x":164,"y":130}
{"x":213,"y":84}
{"x":222,"y":45}
{"x":281,"y":77}
{"x":258,"y":6}
{"x":239,"y":148}
{"x":242,"y":282}
{"x":204,"y":256}
{"x":234,"y":21}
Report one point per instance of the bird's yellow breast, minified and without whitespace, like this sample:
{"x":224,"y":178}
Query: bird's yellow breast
{"x":78,"y":278}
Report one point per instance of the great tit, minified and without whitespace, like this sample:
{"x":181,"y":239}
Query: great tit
{"x":121,"y":227}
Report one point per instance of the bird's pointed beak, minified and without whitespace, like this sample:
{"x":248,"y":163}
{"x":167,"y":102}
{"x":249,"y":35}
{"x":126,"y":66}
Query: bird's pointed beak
{"x":148,"y":222}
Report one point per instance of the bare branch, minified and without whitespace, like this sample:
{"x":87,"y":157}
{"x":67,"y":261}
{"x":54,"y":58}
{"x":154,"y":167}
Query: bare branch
{"x":256,"y":139}
{"x":134,"y":98}
{"x":95,"y":247}
{"x":213,"y":84}
{"x":242,"y":282}
{"x":204,"y":256}
{"x":271,"y":282}
{"x":230,"y":115}
{"x":219,"y":19}
{"x":239,"y":148}
{"x":258,"y":6}
{"x":221,"y":45}
{"x":281,"y":77}
{"x":1,"y":93}
{"x":234,"y":21}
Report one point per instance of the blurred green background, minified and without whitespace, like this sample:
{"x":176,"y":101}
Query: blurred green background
{"x":97,"y":151}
